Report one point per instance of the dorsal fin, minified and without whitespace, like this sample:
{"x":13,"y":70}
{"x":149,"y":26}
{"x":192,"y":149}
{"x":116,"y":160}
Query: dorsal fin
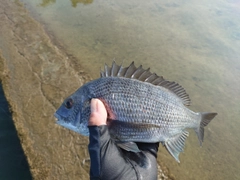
{"x":146,"y":76}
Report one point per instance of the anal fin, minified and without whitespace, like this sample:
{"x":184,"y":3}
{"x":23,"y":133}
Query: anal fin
{"x":175,"y":144}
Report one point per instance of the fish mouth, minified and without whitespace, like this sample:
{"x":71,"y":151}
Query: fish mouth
{"x":60,"y":121}
{"x":63,"y":122}
{"x":57,"y":117}
{"x":74,"y":125}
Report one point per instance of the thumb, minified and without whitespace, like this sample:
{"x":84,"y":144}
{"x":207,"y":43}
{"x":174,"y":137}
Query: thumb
{"x":98,"y":114}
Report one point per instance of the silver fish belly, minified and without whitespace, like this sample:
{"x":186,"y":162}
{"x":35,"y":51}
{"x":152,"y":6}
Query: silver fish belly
{"x":142,"y":107}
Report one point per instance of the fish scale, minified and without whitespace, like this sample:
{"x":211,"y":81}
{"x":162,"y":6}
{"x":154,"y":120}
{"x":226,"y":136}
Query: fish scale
{"x":151,"y":109}
{"x":141,"y":106}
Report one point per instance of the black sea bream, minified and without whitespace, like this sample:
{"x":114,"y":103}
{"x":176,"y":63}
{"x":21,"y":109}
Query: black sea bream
{"x":141,"y":106}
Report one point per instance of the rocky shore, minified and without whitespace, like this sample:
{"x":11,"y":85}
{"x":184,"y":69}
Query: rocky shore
{"x":36,"y":76}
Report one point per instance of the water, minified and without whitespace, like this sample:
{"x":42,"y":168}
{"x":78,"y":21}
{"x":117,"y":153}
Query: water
{"x":13,"y":163}
{"x":195,"y":43}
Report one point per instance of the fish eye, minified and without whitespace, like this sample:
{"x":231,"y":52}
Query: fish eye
{"x":69,"y":103}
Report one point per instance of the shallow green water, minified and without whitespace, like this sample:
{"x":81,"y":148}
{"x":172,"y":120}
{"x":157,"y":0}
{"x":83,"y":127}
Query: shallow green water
{"x":13,"y":163}
{"x":195,"y":43}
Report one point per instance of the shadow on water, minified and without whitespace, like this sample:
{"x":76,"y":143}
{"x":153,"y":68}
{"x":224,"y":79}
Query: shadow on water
{"x":13,"y":162}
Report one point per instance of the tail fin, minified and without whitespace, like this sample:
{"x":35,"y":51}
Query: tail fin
{"x":205,"y":119}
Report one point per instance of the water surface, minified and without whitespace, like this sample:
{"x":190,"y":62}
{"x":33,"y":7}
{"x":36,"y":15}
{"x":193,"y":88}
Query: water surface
{"x":195,"y":43}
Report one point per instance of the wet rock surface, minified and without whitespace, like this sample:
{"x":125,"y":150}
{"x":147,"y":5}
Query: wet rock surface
{"x":36,"y":77}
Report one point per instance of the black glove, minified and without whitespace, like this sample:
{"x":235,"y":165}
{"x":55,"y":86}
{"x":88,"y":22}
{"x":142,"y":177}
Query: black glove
{"x":109,"y":162}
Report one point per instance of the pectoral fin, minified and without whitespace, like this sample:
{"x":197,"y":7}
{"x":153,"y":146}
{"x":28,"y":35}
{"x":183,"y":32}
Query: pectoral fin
{"x":128,"y":146}
{"x":175,"y":144}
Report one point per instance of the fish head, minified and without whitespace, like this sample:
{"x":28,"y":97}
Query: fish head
{"x":74,"y":112}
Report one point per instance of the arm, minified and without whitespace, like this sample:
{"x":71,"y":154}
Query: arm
{"x":108,"y":161}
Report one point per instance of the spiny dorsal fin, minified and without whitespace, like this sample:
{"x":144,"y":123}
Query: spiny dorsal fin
{"x":146,"y":76}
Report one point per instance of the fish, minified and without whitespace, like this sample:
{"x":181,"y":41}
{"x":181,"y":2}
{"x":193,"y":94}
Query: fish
{"x":141,"y":107}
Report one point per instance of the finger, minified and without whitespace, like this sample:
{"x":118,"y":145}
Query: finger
{"x":98,"y":115}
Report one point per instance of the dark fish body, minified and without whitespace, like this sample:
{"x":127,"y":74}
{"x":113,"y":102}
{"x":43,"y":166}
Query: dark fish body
{"x":142,"y":112}
{"x":141,"y":106}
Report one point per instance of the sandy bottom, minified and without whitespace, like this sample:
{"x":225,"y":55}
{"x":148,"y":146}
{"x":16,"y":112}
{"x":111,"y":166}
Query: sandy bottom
{"x":36,"y":76}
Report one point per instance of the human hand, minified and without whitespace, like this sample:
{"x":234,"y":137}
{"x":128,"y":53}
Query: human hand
{"x":98,"y":115}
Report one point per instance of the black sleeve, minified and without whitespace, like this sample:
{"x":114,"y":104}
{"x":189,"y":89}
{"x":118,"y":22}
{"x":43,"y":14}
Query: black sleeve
{"x":109,"y":162}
